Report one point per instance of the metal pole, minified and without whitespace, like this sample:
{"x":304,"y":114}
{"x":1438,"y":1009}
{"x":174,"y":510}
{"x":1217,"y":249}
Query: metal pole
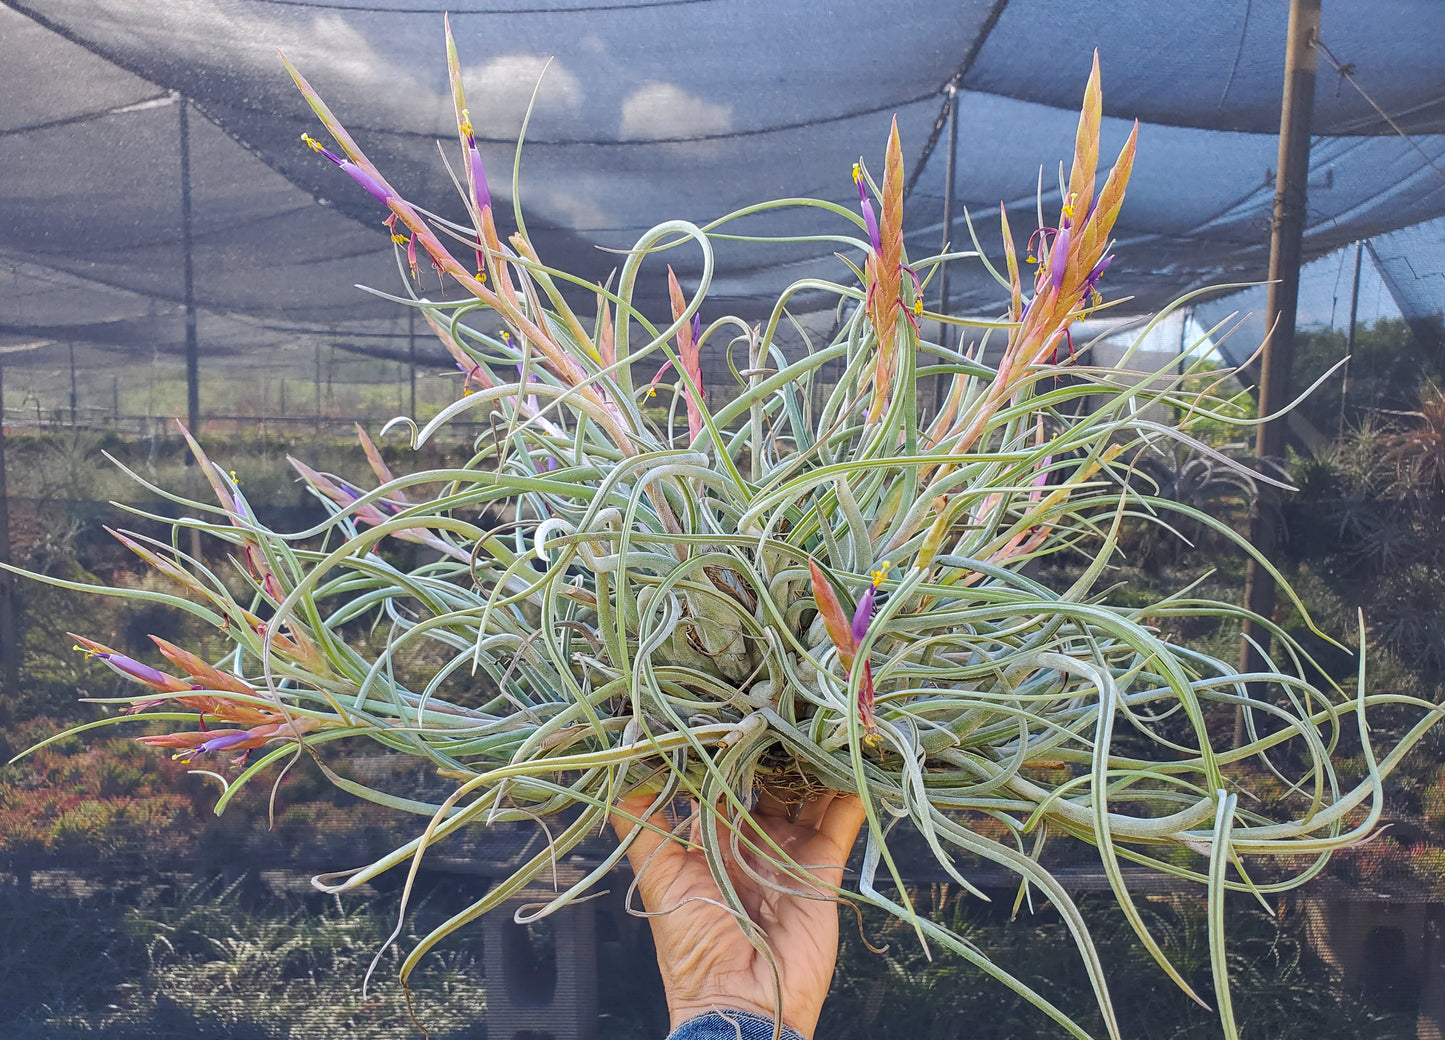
{"x":411,"y":355}
{"x":9,"y":632}
{"x":193,"y":364}
{"x":950,"y":164}
{"x":1179,"y":366}
{"x":1286,"y":242}
{"x":74,"y":396}
{"x":1350,"y":336}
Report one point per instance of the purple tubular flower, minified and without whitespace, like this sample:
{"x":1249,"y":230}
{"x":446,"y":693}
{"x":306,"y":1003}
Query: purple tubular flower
{"x":222,"y":742}
{"x":1059,"y":257}
{"x":696,"y":328}
{"x":531,"y":378}
{"x":1041,"y":481}
{"x":129,"y":666}
{"x":373,"y":186}
{"x":1091,"y":283}
{"x":866,"y":205}
{"x":863,"y":616}
{"x":474,"y":160}
{"x":367,"y":181}
{"x":354,"y":494}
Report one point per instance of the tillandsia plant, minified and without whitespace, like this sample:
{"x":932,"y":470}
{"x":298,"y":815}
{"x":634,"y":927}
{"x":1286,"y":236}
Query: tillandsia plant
{"x":642,"y":583}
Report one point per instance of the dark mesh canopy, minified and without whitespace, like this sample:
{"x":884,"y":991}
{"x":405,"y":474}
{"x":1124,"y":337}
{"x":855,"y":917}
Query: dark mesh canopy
{"x":657,"y":110}
{"x":1412,"y":263}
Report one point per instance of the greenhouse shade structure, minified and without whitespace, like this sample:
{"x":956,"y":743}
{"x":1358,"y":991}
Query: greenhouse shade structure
{"x":655,"y":110}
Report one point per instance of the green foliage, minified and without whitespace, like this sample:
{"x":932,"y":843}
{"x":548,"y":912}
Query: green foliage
{"x":1198,"y":480}
{"x":1370,"y":516}
{"x":1384,"y":373}
{"x":209,"y":962}
{"x":1282,"y":993}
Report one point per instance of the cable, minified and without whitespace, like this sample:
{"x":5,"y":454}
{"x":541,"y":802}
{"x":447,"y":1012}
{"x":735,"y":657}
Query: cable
{"x":1347,"y":72}
{"x":84,"y":117}
{"x":950,"y":97}
{"x":1238,"y":53}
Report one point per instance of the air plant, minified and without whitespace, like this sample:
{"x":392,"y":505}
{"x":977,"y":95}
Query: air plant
{"x":797,"y":589}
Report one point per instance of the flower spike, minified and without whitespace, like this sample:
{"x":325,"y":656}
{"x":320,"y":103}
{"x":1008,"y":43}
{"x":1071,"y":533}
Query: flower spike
{"x":688,"y":350}
{"x":130,"y":667}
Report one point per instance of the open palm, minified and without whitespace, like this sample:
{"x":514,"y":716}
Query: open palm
{"x":705,"y":956}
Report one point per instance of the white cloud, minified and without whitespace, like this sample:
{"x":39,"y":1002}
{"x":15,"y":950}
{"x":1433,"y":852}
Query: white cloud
{"x":569,"y":207}
{"x":499,"y":92}
{"x":665,"y":110}
{"x":354,"y":75}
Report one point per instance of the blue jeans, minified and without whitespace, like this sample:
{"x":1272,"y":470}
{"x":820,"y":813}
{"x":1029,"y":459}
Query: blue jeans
{"x":729,"y":1025}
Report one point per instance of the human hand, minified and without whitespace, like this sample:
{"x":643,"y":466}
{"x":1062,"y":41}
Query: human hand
{"x":706,"y":959}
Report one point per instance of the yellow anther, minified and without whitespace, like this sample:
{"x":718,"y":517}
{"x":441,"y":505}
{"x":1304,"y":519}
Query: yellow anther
{"x":857,"y":174}
{"x":467,"y":391}
{"x":506,"y":336}
{"x":1095,"y":298}
{"x":481,"y":276}
{"x":1031,"y":259}
{"x":873,"y":740}
{"x":87,"y":651}
{"x":917,"y":306}
{"x":399,"y":239}
{"x":466,"y":123}
{"x":311,"y":142}
{"x":878,"y":576}
{"x":1069,"y":206}
{"x":651,"y":392}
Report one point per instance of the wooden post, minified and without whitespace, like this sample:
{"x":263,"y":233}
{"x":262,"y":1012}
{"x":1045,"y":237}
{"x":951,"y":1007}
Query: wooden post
{"x":1286,"y":242}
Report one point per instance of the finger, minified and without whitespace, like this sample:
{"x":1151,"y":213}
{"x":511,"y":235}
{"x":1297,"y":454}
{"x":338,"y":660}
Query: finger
{"x":648,"y":845}
{"x":803,"y":810}
{"x":769,"y":804}
{"x":694,"y":825}
{"x":814,"y":809}
{"x":842,"y":821}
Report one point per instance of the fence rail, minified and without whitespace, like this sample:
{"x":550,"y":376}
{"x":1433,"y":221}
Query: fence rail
{"x":152,"y":427}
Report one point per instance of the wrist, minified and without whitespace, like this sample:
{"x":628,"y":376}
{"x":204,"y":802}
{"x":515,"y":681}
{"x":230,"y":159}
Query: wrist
{"x":716,"y":1022}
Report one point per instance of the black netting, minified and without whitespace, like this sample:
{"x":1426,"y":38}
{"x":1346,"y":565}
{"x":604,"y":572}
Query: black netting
{"x":651,"y":111}
{"x":1412,"y":263}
